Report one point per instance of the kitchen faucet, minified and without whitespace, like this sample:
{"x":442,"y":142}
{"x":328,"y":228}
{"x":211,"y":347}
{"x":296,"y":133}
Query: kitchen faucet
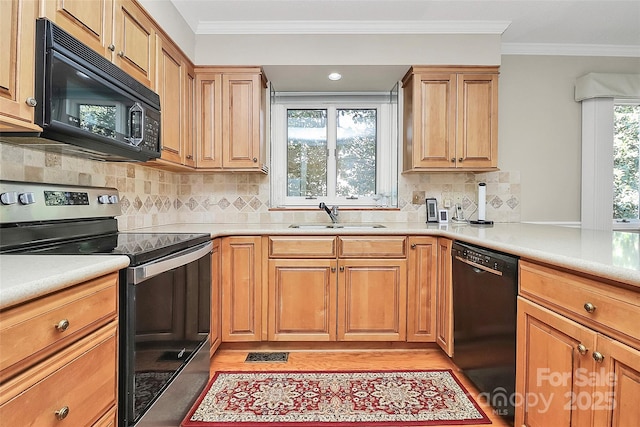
{"x":333,"y":212}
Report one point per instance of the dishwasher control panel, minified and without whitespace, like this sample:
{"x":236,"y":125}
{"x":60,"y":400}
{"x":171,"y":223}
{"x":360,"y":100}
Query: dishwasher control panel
{"x":486,"y":258}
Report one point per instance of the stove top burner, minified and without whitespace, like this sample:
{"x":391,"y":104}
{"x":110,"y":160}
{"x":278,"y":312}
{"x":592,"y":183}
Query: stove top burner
{"x":139,"y":247}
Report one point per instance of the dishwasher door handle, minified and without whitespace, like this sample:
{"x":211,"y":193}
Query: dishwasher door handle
{"x":478,"y":266}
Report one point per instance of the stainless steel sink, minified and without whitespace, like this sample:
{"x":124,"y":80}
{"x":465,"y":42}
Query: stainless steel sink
{"x":325,"y":226}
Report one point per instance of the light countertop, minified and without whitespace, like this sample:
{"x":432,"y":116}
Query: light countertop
{"x":613,"y":255}
{"x":23,"y":277}
{"x":610,"y":255}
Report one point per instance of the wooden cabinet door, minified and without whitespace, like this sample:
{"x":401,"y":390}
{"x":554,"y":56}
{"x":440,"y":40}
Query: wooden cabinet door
{"x":477,"y":121}
{"x":421,"y":289}
{"x":188,"y":118}
{"x":241,"y":127}
{"x":215,"y":331}
{"x":208,"y":120}
{"x":170,"y":76}
{"x":434,"y":134}
{"x":302,"y":300}
{"x":91,"y":22}
{"x":444,"y":297}
{"x":554,"y":354}
{"x":134,"y":40}
{"x":616,"y":400}
{"x":17,"y":44}
{"x":372,"y":300}
{"x":241,"y":289}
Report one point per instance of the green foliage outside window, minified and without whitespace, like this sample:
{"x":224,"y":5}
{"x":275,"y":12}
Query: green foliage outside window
{"x":626,"y":157}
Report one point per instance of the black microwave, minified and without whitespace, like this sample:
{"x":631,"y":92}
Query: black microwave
{"x":87,"y":106}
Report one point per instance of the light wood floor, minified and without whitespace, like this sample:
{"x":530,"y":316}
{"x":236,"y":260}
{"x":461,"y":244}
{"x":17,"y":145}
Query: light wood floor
{"x":233,"y":360}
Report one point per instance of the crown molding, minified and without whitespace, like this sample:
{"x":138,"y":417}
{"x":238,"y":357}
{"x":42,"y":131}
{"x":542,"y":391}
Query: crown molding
{"x":352,"y":27}
{"x":558,"y":49}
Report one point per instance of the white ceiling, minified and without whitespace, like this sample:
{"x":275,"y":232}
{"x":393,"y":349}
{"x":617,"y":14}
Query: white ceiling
{"x":575,"y":27}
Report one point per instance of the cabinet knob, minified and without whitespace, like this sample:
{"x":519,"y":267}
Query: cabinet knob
{"x":255,"y":160}
{"x":62,"y":325}
{"x":413,"y":246}
{"x":598,"y":357}
{"x":31,"y":101}
{"x":189,"y":156}
{"x":453,"y":160}
{"x":589,"y":308}
{"x":460,"y":159}
{"x":111,"y":47}
{"x":342,"y":268}
{"x":582,"y":349}
{"x":121,"y":54}
{"x":333,"y":269}
{"x":62,"y":413}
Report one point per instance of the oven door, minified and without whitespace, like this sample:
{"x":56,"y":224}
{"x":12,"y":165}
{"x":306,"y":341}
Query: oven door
{"x":164,"y":328}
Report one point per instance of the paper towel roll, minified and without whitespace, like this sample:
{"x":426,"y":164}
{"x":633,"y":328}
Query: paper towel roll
{"x":482,"y":201}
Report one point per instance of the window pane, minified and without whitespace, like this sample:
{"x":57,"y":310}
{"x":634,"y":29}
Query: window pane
{"x":306,"y":153}
{"x":626,"y":145}
{"x":356,"y":152}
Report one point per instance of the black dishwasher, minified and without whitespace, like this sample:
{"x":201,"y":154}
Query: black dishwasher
{"x":485,"y":287}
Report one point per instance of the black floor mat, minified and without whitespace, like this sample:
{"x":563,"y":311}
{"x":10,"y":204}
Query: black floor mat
{"x":267,"y":357}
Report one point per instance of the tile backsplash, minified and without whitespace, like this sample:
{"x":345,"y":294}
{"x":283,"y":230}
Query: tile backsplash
{"x":151,"y":196}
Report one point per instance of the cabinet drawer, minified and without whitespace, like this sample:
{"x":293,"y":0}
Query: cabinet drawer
{"x":81,"y":378}
{"x":372,"y":247}
{"x":302,"y":247}
{"x":616,"y":310}
{"x":34,"y":330}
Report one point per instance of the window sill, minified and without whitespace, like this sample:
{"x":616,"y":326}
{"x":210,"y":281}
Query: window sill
{"x":342,"y":208}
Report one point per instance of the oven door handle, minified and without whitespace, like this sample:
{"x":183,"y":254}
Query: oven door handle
{"x":146,"y":271}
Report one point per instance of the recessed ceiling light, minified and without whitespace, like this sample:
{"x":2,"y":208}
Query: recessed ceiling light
{"x":335,"y":76}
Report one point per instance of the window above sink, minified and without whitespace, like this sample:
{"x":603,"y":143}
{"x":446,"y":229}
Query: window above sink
{"x":339,"y":149}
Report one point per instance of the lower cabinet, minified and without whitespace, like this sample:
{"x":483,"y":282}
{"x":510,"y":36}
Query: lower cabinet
{"x":302,"y":300}
{"x":578,"y":357}
{"x":444,"y":297}
{"x":344,"y":288}
{"x":551,"y":352}
{"x":372,"y":300}
{"x":421,"y":289}
{"x":59,"y":358}
{"x":215,"y":330}
{"x":241,"y":259}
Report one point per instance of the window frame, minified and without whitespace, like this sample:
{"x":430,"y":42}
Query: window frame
{"x":597,"y":164}
{"x":386,"y":149}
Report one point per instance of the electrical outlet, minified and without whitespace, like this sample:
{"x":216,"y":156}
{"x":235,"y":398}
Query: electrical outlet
{"x":418,"y":197}
{"x":446,"y":203}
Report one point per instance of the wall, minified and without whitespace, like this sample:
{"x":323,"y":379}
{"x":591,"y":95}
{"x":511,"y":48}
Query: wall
{"x":540,"y":129}
{"x":156,"y":197}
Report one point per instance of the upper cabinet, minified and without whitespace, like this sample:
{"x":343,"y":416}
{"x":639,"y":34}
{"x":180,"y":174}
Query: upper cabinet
{"x":120,"y":30}
{"x":175,"y":86}
{"x":17,"y":36}
{"x":88,"y":21}
{"x":134,"y":41}
{"x":230,"y":118}
{"x":450,"y":118}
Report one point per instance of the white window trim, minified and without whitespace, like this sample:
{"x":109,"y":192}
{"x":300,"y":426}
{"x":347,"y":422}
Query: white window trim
{"x":386,"y":154}
{"x":597,"y":165}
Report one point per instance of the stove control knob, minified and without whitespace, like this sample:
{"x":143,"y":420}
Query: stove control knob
{"x":27,"y":198}
{"x":113,"y":199}
{"x":103,"y":199}
{"x":9,"y":198}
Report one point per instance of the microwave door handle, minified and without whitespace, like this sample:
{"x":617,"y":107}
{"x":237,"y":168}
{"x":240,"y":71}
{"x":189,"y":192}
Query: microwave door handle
{"x":146,"y":271}
{"x":136,"y":124}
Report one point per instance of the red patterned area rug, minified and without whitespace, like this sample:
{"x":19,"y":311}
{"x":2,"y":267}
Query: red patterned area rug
{"x":336,"y":399}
